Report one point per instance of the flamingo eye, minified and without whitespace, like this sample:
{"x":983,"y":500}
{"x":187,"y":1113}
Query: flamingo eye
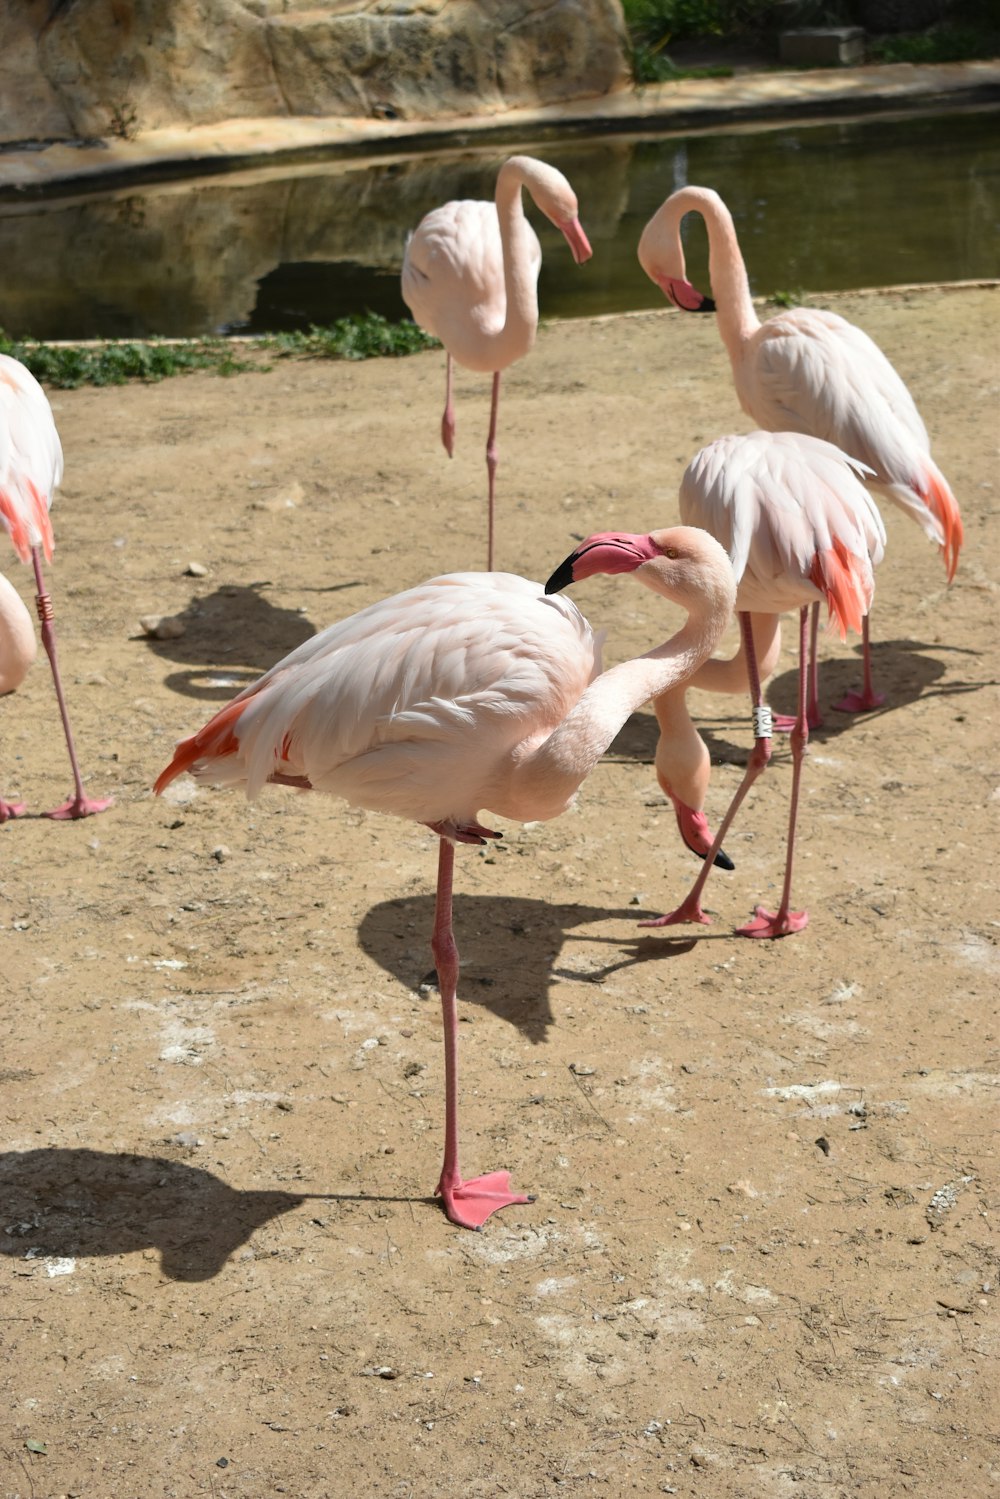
{"x":672,"y":553}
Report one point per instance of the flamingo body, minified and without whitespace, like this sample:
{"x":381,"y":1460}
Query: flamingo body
{"x":470,"y":277}
{"x":808,"y":371}
{"x":31,"y":460}
{"x":472,"y":691}
{"x":800,"y":528}
{"x":417,"y":706}
{"x":31,"y":464}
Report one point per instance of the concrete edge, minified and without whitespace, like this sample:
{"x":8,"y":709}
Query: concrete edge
{"x":251,"y":339}
{"x":688,"y":104}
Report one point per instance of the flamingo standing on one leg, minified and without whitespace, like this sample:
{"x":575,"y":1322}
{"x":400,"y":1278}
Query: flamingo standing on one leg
{"x":805,"y":370}
{"x":30,"y":471}
{"x":470,"y":277}
{"x":800,"y":528}
{"x":473,"y":691}
{"x":17,"y":651}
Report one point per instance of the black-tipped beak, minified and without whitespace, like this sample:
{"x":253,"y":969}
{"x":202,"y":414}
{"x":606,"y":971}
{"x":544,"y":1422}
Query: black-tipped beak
{"x":707,"y":305}
{"x":563,"y":575}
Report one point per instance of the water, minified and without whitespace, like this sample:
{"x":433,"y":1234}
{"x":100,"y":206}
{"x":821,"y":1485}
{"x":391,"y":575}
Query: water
{"x":818,"y":207}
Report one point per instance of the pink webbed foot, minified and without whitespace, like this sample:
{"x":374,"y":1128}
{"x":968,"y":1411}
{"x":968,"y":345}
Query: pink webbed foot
{"x":9,"y":810}
{"x":79,"y":806}
{"x":688,"y":910}
{"x":694,"y":831}
{"x":859,"y":702}
{"x":470,"y":1203}
{"x":773,"y":923}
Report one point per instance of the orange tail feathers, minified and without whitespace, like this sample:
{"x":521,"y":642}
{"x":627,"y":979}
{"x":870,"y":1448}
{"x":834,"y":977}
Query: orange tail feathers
{"x":216,"y":739}
{"x":940,"y":501}
{"x":845,"y":582}
{"x":19,"y":524}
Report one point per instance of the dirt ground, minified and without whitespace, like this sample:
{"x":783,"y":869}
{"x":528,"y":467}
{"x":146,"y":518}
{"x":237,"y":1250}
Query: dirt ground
{"x":763,"y":1256}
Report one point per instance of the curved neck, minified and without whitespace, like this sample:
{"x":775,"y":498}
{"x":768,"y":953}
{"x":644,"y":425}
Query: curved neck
{"x":520,"y":271}
{"x":735,"y":313}
{"x":549,"y":774}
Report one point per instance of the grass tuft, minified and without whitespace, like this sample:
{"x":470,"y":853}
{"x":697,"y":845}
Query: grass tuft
{"x":67,"y":366}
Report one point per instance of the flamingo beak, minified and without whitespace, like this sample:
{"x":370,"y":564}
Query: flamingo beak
{"x":685,"y":296}
{"x":577,"y":240}
{"x":604,"y":552}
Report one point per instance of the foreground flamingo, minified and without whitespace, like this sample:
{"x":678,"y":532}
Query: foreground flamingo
{"x":805,"y":370}
{"x":800,"y":528}
{"x":30,"y":470}
{"x":17,"y":651}
{"x":474,"y":691}
{"x":470,"y":277}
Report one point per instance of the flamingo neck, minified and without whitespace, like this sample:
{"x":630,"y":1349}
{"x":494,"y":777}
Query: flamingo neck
{"x":520,"y":273}
{"x":548,"y":776}
{"x":735,"y":314}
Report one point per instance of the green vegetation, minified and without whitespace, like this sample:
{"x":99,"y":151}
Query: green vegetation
{"x":66,"y":366}
{"x":367,"y":337}
{"x":944,"y":30}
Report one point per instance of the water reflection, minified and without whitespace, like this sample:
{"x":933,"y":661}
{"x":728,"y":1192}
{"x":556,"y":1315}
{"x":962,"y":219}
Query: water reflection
{"x":821,"y":207}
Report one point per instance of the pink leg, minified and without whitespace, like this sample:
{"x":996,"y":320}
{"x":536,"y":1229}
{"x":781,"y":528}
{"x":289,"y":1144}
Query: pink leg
{"x":814,"y":717}
{"x":867,"y":699}
{"x":448,"y":419}
{"x":783,"y":922}
{"x":690,"y":908}
{"x":491,"y":467}
{"x":468,"y":1203}
{"x":79,"y":805}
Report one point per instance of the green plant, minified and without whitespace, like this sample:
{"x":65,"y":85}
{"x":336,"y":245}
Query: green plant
{"x":369,"y":336}
{"x":66,"y":366}
{"x":788,"y":298}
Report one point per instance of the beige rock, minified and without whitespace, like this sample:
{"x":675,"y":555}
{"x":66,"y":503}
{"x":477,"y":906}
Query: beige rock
{"x":119,"y":67}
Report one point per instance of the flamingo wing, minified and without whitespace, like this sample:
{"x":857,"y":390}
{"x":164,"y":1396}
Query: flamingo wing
{"x":811,"y":371}
{"x":30,"y":459}
{"x":413,"y":706}
{"x":795,"y":517}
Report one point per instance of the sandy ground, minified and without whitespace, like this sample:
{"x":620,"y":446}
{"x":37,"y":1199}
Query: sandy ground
{"x":763,"y":1256}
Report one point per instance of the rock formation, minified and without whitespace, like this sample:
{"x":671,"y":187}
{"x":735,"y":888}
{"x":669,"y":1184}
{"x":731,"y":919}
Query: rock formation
{"x":97,"y":68}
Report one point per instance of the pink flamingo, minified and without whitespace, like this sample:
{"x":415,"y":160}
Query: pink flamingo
{"x":17,"y":651}
{"x":472,"y":691}
{"x":30,"y":470}
{"x":470,"y":277}
{"x":805,"y":370}
{"x":800,"y":528}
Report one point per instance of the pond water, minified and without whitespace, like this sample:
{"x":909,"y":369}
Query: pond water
{"x":818,"y":207}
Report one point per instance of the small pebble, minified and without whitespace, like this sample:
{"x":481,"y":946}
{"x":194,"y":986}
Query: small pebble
{"x":220,"y":854}
{"x":196,"y":570}
{"x":162,"y":626}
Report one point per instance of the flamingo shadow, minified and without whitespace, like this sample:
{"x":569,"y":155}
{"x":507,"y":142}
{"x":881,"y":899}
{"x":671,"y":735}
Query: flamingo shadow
{"x":230,"y":637}
{"x":900,"y":668}
{"x":70,"y":1203}
{"x":66,"y":1202}
{"x":510,"y":948}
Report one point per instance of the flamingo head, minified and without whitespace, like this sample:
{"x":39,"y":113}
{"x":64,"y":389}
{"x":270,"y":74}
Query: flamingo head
{"x":681,"y":562}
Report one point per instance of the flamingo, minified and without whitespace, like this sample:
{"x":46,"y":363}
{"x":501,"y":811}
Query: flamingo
{"x":17,"y":651}
{"x":471,"y":691}
{"x":470,"y":277}
{"x":30,"y":470}
{"x":806,"y":370}
{"x":800,"y":528}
